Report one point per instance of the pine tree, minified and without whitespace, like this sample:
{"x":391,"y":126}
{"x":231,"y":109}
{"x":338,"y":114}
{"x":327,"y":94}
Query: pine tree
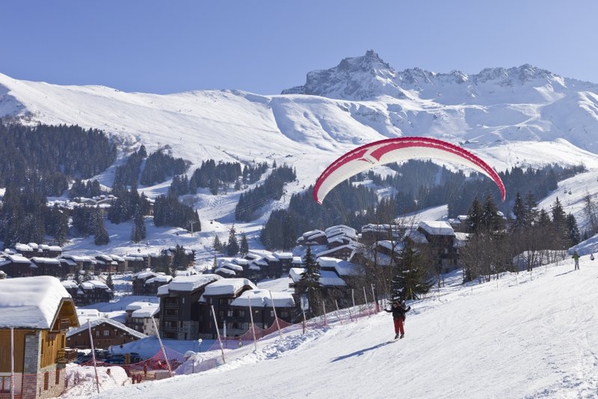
{"x":138,"y":232}
{"x":101,"y":236}
{"x":217,"y":244}
{"x":309,"y":284}
{"x":474,"y":216}
{"x":179,"y":259}
{"x":559,"y":222}
{"x":244,"y":248}
{"x":232,"y":248}
{"x":491,"y":219}
{"x":573,"y":231}
{"x":521,"y":213}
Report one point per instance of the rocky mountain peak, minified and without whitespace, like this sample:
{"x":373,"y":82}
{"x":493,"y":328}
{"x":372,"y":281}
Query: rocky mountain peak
{"x":354,"y":78}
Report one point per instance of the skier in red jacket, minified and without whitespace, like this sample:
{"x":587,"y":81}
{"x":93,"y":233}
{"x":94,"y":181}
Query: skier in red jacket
{"x":398,"y":310}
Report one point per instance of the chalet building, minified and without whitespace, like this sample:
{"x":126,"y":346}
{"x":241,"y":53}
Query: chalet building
{"x":283,"y":264}
{"x":341,"y":252}
{"x":105,"y":332}
{"x":230,"y":268}
{"x":332,"y":287}
{"x":121,"y":263}
{"x":37,"y":324}
{"x":79,"y":263}
{"x":39,"y":250}
{"x":141,"y":316}
{"x":137,"y":263}
{"x":68,"y":265}
{"x":348,"y":271}
{"x":370,"y":233}
{"x":93,"y":291}
{"x":48,"y":267}
{"x":340,"y":235}
{"x":179,"y":307}
{"x":71,"y":287}
{"x":219,"y":295}
{"x":313,"y":237}
{"x":441,"y":240}
{"x":105,"y":264}
{"x":153,"y":284}
{"x":147,"y":282}
{"x":264,"y":305}
{"x":16,"y":265}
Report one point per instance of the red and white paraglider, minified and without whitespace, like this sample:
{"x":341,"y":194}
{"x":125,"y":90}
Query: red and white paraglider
{"x":396,"y":150}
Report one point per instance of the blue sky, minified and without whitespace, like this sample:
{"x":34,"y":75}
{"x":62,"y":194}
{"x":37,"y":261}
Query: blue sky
{"x":267,"y":46}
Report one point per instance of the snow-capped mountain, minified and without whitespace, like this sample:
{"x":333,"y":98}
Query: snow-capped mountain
{"x":517,"y":116}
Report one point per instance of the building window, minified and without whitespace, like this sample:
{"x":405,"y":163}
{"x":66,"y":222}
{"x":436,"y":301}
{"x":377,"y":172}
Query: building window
{"x":229,"y":313}
{"x":106,"y":333}
{"x":4,"y":383}
{"x":57,"y":378}
{"x":46,"y":381}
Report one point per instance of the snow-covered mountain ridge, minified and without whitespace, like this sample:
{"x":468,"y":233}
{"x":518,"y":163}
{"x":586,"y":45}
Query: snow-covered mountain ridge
{"x":360,"y":100}
{"x":509,"y":117}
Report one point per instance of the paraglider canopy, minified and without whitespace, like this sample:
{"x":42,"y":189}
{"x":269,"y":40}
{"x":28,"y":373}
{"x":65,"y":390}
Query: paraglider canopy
{"x":396,"y":150}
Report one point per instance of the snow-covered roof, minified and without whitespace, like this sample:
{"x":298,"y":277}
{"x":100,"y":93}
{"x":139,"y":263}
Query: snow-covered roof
{"x":228,"y":286}
{"x":351,"y":246}
{"x":437,"y":228}
{"x":47,"y":261}
{"x":84,"y":314}
{"x":327,"y":278}
{"x":92,"y":284}
{"x":331,"y":279}
{"x":30,"y":302}
{"x":233,"y":266}
{"x":69,"y":284}
{"x":461,"y":239}
{"x":190,"y":283}
{"x":147,"y":312}
{"x":396,"y":246}
{"x":23,"y":247}
{"x":226,"y":271}
{"x":341,"y":230}
{"x":381,"y":228}
{"x":17,"y":258}
{"x":159,"y":279}
{"x":139,"y":305}
{"x":101,"y":320}
{"x":143,"y":309}
{"x":342,"y":267}
{"x":310,"y":235}
{"x":284,"y":255}
{"x":264,"y":298}
{"x":416,"y":237}
{"x":144,"y":274}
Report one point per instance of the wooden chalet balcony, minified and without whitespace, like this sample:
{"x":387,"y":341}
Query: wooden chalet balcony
{"x":64,"y":356}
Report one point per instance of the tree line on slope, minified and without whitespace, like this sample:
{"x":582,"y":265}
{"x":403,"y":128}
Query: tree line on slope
{"x":48,"y":157}
{"x":415,"y":186}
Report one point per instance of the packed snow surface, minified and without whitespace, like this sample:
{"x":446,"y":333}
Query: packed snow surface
{"x":526,"y":335}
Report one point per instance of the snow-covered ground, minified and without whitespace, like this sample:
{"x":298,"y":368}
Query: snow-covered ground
{"x":526,"y":335}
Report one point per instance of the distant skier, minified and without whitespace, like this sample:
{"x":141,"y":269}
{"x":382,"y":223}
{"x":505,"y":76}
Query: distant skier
{"x":576,"y":259}
{"x":398,"y":310}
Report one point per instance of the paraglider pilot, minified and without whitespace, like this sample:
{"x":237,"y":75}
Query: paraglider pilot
{"x":398,"y":310}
